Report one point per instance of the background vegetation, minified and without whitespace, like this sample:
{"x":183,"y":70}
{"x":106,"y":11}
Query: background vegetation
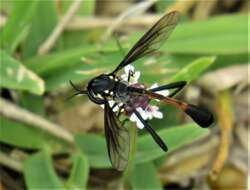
{"x":50,"y":143}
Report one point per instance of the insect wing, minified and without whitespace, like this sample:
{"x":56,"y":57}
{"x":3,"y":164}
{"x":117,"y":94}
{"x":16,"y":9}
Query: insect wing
{"x":117,"y":138}
{"x":151,"y":40}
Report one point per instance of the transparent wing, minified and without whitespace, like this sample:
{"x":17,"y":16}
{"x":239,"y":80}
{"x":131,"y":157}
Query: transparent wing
{"x":151,"y":40}
{"x":117,"y":138}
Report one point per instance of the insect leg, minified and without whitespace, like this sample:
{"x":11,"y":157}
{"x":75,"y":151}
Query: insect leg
{"x":131,"y":73}
{"x":120,"y":109}
{"x":178,"y":85}
{"x":155,"y":136}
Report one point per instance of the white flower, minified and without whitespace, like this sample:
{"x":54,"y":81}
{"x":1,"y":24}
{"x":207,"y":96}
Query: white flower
{"x":134,"y":118}
{"x":161,"y":92}
{"x":153,"y":111}
{"x":111,"y":103}
{"x":148,"y":114}
{"x":134,"y":75}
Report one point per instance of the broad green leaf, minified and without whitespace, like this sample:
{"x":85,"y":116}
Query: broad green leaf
{"x":147,"y":150}
{"x":16,"y":76}
{"x":82,"y":71}
{"x":193,"y":70}
{"x":31,"y":102}
{"x":145,"y":176}
{"x":79,"y":72}
{"x":24,"y":136}
{"x":79,"y":172}
{"x":18,"y":24}
{"x":42,"y":24}
{"x":94,"y":147}
{"x":51,"y":63}
{"x":215,"y":36}
{"x":174,"y":137}
{"x":39,"y":172}
{"x":46,"y":65}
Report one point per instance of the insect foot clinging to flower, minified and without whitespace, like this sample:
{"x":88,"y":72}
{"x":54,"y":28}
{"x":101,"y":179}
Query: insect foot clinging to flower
{"x":124,"y":95}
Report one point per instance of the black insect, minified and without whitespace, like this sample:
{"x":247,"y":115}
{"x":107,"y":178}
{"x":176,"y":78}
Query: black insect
{"x":106,"y":87}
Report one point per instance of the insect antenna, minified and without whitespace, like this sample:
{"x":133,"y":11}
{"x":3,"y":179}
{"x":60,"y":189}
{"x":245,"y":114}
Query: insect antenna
{"x":79,"y":91}
{"x":76,"y":88}
{"x":73,"y":95}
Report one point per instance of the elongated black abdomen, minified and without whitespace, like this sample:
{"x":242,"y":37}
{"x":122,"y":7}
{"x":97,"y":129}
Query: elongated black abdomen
{"x":201,"y":116}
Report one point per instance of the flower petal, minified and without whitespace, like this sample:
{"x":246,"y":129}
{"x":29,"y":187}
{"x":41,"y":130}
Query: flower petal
{"x":153,"y":86}
{"x":156,"y":113}
{"x":136,"y":76}
{"x":153,"y":111}
{"x":135,"y":119}
{"x":163,"y":92}
{"x":139,"y":124}
{"x":143,"y":113}
{"x":124,"y":77}
{"x":129,"y":68}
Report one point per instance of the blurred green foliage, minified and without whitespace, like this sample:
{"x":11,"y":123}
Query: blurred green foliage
{"x":193,"y":48}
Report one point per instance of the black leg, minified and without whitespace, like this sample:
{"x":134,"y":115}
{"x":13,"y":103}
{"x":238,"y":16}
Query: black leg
{"x":115,"y":104}
{"x":131,"y":73}
{"x":179,"y":85}
{"x":120,"y":109}
{"x":155,"y":136}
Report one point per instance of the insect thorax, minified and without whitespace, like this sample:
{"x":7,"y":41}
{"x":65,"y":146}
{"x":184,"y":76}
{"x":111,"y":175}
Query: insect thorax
{"x":121,"y":92}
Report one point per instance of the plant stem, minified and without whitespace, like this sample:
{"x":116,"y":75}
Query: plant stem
{"x":132,"y":152}
{"x":225,"y":121}
{"x":13,"y":112}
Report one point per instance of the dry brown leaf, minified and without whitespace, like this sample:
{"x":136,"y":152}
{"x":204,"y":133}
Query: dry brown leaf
{"x":81,"y":118}
{"x":225,"y":78}
{"x":191,"y":160}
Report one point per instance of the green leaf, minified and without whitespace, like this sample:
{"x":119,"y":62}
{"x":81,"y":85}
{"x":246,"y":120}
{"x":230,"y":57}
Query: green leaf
{"x":145,"y":177}
{"x":79,"y":173}
{"x":41,"y":27}
{"x":162,"y":5}
{"x":24,"y":136}
{"x":81,"y":71}
{"x":16,"y":76}
{"x":17,"y":25}
{"x":39,"y":172}
{"x":97,"y":153}
{"x":193,"y":70}
{"x":75,"y":73}
{"x":147,"y":148}
{"x":31,"y":102}
{"x":49,"y":64}
{"x":216,"y":35}
{"x":174,"y":137}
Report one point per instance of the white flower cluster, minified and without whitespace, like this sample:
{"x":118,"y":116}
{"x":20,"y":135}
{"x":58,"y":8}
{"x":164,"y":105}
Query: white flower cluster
{"x":151,"y":111}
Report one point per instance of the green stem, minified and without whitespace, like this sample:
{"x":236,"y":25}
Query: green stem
{"x":133,"y":145}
